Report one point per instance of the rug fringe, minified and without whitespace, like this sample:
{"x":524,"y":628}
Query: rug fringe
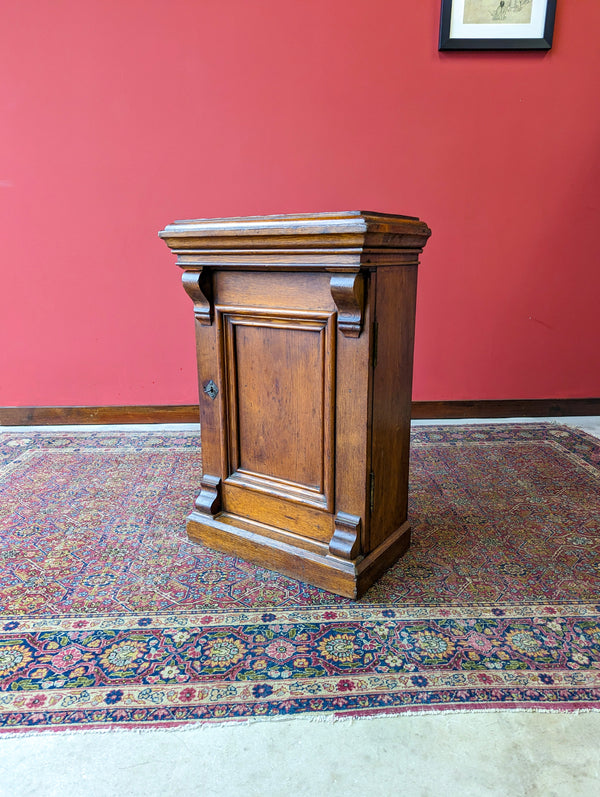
{"x":325,"y":719}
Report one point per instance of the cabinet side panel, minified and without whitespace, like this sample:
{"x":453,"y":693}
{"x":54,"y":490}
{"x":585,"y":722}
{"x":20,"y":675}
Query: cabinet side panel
{"x":392,"y":390}
{"x":211,"y":409}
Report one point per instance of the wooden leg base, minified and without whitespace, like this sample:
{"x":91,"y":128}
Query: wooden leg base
{"x":311,"y":562}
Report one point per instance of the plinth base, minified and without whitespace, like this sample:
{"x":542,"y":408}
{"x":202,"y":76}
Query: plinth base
{"x":311,"y":562}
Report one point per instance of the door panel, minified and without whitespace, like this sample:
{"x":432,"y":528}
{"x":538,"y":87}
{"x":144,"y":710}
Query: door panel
{"x":278,"y":370}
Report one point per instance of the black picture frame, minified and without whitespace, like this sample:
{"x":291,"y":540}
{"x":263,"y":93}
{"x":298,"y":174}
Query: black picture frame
{"x":543,"y":42}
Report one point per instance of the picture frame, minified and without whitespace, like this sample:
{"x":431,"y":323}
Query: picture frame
{"x":497,"y":24}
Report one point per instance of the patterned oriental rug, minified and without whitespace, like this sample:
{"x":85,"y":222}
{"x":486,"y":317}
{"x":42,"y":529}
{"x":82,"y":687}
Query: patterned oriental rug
{"x":110,"y":617}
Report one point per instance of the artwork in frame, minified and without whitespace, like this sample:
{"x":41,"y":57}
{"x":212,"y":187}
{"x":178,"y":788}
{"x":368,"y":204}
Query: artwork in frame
{"x":497,"y":24}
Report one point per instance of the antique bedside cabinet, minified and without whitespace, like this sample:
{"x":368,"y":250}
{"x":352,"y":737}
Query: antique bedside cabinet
{"x":304,"y":331}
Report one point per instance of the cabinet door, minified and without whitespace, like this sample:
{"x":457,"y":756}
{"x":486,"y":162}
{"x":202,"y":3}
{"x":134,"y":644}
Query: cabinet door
{"x":278,"y":371}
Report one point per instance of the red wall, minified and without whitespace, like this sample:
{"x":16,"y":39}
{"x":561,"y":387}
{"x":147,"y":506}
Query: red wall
{"x":118,"y":116}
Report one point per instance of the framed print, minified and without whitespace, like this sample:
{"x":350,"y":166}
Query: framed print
{"x":497,"y":24}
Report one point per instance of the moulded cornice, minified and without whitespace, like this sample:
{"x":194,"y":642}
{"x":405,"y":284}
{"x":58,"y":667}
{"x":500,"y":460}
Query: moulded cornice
{"x":348,"y":238}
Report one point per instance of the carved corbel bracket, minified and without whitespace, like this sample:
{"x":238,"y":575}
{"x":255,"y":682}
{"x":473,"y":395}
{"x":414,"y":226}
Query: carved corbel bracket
{"x":345,"y":542}
{"x":348,"y":293}
{"x":209,"y":500}
{"x":198,"y":286}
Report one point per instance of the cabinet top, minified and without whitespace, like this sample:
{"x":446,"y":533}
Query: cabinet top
{"x":337,"y":235}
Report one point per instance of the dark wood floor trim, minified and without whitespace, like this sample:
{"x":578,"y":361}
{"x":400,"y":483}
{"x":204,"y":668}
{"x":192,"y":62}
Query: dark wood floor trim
{"x":505,"y":408}
{"x":49,"y":416}
{"x":188,"y":413}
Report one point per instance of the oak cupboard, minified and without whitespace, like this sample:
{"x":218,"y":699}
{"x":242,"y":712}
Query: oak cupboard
{"x":304,"y":332}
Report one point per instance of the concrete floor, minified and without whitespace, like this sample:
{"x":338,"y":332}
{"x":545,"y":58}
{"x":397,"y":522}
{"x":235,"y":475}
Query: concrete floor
{"x":470,"y":755}
{"x":521,"y":754}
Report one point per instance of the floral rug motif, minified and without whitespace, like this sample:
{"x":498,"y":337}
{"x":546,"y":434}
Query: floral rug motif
{"x":110,"y":617}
